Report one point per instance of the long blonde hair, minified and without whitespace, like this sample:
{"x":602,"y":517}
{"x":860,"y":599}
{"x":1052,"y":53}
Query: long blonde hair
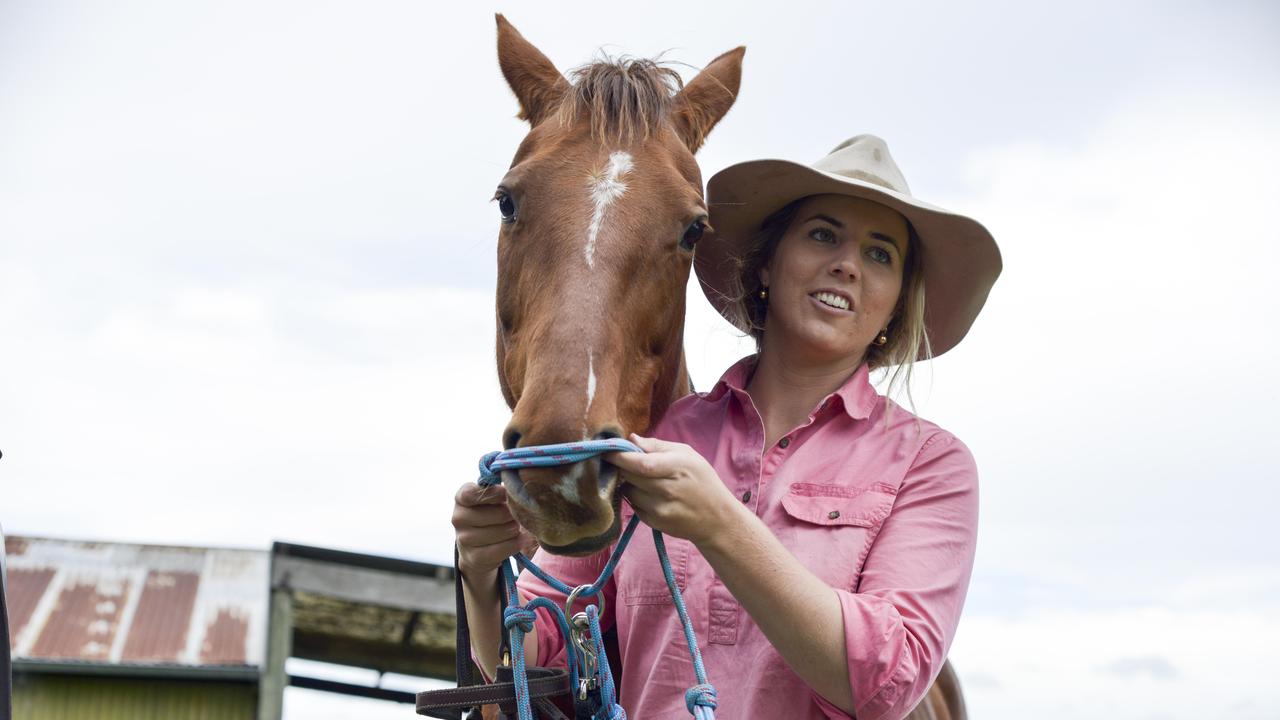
{"x":908,"y":340}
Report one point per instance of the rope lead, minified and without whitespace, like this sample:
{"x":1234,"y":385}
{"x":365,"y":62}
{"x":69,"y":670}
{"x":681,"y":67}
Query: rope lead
{"x":700,"y":699}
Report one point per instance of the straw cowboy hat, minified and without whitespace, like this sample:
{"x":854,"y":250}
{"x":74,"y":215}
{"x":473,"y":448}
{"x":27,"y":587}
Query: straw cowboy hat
{"x":961,"y":260}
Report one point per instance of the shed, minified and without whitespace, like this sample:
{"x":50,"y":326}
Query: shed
{"x":104,"y":630}
{"x":107,"y":630}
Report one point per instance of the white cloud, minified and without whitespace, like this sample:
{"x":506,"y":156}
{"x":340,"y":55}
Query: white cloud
{"x":198,"y":420}
{"x":1145,"y":662}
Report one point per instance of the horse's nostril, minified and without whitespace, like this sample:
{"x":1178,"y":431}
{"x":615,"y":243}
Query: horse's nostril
{"x":510,"y":439}
{"x":608,"y":434}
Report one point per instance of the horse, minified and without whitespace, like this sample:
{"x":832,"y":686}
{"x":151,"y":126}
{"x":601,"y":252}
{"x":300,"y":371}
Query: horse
{"x":602,"y":210}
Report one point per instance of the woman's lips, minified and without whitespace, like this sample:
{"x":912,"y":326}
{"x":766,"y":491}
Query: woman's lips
{"x":832,"y":296}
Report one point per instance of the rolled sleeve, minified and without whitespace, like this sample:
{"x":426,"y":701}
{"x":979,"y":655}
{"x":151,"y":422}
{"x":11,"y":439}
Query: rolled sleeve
{"x":573,"y":572}
{"x":900,"y":623}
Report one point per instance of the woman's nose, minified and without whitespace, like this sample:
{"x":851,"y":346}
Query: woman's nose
{"x":846,"y":268}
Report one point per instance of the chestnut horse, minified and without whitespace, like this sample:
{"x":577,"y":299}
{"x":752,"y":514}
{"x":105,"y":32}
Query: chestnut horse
{"x":601,"y":210}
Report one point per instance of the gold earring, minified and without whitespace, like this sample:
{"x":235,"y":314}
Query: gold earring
{"x":764,"y":293}
{"x":882,"y":338}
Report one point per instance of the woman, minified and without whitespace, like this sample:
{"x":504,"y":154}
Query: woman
{"x":823,"y":542}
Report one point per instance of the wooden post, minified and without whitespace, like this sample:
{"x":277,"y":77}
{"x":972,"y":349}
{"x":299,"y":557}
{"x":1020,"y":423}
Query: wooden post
{"x":279,"y":648}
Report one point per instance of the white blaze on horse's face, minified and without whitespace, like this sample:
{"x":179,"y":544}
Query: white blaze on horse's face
{"x":568,"y":485}
{"x":606,"y":187}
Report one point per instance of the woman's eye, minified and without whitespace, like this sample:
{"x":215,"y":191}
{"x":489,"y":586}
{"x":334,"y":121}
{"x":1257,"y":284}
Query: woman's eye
{"x":506,"y":205}
{"x":880,"y":255}
{"x":823,"y":235}
{"x":693,"y":234}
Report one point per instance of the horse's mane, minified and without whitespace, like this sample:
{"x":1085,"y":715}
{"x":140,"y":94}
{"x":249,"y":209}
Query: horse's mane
{"x":626,"y":98}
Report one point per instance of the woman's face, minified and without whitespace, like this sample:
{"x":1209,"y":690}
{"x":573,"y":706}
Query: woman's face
{"x":835,"y":277}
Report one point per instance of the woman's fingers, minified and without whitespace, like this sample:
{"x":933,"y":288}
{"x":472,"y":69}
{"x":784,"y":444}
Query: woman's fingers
{"x":481,"y":516}
{"x":473,"y":495}
{"x":481,"y":537}
{"x":660,"y":462}
{"x":651,"y":445}
{"x":656,"y":460}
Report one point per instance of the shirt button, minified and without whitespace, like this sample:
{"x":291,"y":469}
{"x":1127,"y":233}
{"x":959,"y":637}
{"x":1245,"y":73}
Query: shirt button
{"x":784,"y":442}
{"x":746,"y":496}
{"x":833,"y":514}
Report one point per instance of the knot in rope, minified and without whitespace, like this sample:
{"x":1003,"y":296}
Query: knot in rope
{"x":703,"y":695}
{"x":523,"y":617}
{"x":489,"y":476}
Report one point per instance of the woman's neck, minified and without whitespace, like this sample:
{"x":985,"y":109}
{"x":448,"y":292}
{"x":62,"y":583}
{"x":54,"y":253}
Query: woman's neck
{"x":786,"y":389}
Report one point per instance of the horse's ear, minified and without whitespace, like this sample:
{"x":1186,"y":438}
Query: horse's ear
{"x":701,"y":104}
{"x":537,"y":83}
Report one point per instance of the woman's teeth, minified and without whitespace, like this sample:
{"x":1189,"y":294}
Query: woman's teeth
{"x":831,"y":299}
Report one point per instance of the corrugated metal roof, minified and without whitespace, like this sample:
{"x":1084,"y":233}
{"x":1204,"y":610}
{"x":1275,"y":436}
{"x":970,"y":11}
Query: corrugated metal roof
{"x":115,"y":603}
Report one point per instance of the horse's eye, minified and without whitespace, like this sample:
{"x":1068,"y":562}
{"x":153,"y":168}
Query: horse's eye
{"x":693,"y":234}
{"x":506,"y":205}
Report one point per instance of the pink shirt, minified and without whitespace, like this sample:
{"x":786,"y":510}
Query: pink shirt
{"x":887,"y":516}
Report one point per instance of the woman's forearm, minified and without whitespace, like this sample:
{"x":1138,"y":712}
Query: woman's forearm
{"x":484,"y":616}
{"x":794,"y":608}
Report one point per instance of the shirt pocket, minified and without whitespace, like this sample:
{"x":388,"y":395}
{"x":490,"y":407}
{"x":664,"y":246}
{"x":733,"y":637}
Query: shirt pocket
{"x":639,"y":574}
{"x":831,"y":526}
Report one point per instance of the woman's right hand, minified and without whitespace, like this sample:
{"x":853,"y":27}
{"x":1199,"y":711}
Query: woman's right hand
{"x":486,"y":531}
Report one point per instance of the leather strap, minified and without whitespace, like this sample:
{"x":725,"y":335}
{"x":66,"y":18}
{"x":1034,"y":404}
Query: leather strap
{"x":543,"y":683}
{"x":462,"y":640}
{"x":462,"y":653}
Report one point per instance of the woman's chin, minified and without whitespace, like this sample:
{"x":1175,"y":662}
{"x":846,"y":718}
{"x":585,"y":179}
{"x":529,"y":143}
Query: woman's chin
{"x":824,"y":347}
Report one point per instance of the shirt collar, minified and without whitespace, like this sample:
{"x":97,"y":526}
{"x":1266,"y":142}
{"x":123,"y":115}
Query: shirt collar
{"x":856,"y":396}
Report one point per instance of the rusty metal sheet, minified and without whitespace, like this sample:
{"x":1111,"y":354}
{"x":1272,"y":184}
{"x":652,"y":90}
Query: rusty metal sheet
{"x":83,"y":623}
{"x":224,"y":639}
{"x":99,"y":602}
{"x":163,"y":618}
{"x":24,"y":591}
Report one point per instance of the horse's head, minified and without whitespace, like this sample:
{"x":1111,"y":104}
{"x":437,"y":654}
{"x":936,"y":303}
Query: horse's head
{"x":600,"y":212}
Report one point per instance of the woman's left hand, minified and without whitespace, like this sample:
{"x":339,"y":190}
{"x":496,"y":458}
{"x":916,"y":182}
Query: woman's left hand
{"x":673,"y":489}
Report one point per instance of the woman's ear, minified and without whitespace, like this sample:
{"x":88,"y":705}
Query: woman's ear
{"x":763,"y":276}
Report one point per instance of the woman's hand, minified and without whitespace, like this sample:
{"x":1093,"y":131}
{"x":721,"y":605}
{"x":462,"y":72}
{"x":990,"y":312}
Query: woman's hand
{"x":673,"y":489}
{"x":486,"y":531}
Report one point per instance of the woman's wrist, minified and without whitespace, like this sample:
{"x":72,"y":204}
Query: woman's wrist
{"x":723,"y":525}
{"x":478,"y":578}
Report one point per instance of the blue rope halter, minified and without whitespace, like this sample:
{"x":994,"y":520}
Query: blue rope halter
{"x":699,"y":699}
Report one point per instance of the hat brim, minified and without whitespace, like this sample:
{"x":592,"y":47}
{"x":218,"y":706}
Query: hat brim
{"x":961,"y":259}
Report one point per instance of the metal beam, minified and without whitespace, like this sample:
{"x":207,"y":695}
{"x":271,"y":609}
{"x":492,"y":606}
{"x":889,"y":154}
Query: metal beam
{"x":365,"y":691}
{"x":363,"y":585}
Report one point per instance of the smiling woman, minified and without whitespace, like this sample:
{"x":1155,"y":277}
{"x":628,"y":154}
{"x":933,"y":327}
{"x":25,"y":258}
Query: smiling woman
{"x":817,"y":229}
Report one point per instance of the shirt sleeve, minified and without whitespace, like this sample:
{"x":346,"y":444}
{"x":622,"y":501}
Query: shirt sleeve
{"x":572,"y":572}
{"x":900,"y":623}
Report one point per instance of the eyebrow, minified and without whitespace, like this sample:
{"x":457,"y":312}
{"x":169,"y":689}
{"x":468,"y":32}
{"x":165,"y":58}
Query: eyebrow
{"x":827,"y":218}
{"x":873,"y":235}
{"x":885,"y":238}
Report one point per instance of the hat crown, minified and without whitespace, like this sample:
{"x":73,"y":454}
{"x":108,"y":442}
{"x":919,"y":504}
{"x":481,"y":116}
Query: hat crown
{"x":865,"y":157}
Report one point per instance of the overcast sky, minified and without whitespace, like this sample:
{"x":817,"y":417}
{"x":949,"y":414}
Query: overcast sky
{"x":247,"y":265}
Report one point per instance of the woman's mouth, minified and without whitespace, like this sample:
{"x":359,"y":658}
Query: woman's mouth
{"x":832,"y":300}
